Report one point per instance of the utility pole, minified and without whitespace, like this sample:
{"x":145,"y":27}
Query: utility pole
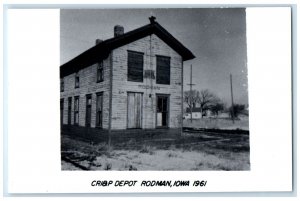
{"x":232,"y":104}
{"x":191,"y":88}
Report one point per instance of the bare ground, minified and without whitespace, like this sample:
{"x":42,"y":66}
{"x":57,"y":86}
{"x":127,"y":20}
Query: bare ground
{"x":194,"y":151}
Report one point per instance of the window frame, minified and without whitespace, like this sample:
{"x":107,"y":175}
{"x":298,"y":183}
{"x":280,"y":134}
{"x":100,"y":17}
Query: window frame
{"x":100,"y":71}
{"x":128,"y":69}
{"x":158,"y":73}
{"x":77,"y":81}
{"x":76,"y":109}
{"x":69,"y":110}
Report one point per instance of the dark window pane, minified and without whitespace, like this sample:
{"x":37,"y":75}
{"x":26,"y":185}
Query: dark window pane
{"x":100,"y":72}
{"x":88,"y":111}
{"x":165,"y":104}
{"x":135,"y":66}
{"x":76,"y":80}
{"x":69,"y":109}
{"x":76,"y":110}
{"x":162,"y":70}
{"x":76,"y":118}
{"x":99,"y":110}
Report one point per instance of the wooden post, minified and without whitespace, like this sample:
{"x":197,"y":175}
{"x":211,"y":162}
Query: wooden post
{"x":191,"y":88}
{"x":232,"y":104}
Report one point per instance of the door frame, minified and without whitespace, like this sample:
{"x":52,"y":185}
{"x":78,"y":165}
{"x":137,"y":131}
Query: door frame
{"x":142,"y":93}
{"x":168,"y":114}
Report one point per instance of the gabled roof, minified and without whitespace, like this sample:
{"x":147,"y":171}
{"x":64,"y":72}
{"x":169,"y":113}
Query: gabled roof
{"x":102,"y":50}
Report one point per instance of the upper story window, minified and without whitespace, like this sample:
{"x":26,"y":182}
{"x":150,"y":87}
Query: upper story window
{"x":100,"y":72}
{"x":162,"y":70}
{"x":135,"y":66}
{"x":76,"y":80}
{"x":62,"y":84}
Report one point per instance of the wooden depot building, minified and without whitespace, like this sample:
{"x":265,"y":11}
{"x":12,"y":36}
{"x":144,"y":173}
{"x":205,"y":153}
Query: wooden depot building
{"x":133,"y":81}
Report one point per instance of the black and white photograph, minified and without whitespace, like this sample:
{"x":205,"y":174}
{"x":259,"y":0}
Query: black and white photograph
{"x":149,"y":100}
{"x":154,"y":89}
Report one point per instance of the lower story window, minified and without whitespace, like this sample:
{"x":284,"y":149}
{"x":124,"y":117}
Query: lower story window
{"x":88,"y":110}
{"x":69,"y":109}
{"x":99,"y":107}
{"x":76,"y":110}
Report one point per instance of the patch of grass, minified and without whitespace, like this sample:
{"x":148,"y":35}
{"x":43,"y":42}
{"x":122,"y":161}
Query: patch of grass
{"x":199,"y":151}
{"x":222,"y":167}
{"x":171,"y":154}
{"x":147,"y":149}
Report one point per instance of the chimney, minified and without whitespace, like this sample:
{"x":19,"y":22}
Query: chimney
{"x":118,"y":30}
{"x":152,"y":19}
{"x":98,"y":41}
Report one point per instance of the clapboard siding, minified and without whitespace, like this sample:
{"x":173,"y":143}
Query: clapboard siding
{"x":87,"y":85}
{"x":121,"y":86}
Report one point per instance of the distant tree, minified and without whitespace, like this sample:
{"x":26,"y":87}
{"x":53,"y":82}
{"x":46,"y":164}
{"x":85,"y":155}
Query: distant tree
{"x":237,"y":110}
{"x":217,"y":106}
{"x":190,"y":98}
{"x":206,"y":100}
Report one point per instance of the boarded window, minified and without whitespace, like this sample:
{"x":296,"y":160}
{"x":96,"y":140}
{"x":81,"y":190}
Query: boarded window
{"x":76,"y":80}
{"x":76,"y":110}
{"x":99,"y":106}
{"x":162,"y":70}
{"x":135,"y":66}
{"x":100,"y":72}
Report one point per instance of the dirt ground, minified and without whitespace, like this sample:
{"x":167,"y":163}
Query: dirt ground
{"x":194,"y":151}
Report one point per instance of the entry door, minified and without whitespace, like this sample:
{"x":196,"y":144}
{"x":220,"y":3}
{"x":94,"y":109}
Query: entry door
{"x":88,"y":110}
{"x":134,"y":114}
{"x":162,"y":111}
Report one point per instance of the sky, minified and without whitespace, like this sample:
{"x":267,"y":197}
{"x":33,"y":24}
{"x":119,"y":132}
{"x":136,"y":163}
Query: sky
{"x":216,"y":36}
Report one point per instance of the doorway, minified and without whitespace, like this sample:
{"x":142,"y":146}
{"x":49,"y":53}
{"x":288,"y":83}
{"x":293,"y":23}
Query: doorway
{"x":134,"y":110}
{"x":162,"y":111}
